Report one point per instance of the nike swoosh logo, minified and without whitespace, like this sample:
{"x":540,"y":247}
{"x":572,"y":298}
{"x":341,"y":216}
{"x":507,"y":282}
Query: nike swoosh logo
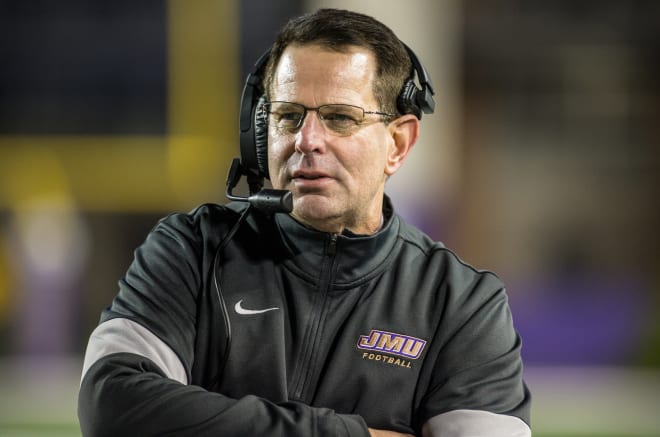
{"x":247,"y":312}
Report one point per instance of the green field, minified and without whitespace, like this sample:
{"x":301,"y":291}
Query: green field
{"x":39,"y":399}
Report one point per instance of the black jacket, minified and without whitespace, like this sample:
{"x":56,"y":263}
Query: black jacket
{"x":305,"y":334}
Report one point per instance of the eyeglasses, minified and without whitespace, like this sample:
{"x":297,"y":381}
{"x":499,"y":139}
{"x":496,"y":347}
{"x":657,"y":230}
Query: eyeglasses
{"x":339,"y":119}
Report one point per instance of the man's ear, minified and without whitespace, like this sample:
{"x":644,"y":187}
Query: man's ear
{"x":404,"y":131}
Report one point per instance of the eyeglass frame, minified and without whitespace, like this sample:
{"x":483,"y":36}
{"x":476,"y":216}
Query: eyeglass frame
{"x":306,"y":109}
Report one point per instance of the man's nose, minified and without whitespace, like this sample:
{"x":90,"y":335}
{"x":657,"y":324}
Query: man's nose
{"x":311,"y":135}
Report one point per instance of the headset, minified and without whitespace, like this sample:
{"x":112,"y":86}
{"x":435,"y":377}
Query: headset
{"x":253,"y":122}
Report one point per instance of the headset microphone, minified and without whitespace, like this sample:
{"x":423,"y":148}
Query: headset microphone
{"x":271,"y":201}
{"x":266,"y":200}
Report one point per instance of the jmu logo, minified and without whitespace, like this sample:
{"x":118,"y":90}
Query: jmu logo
{"x":396,"y":344}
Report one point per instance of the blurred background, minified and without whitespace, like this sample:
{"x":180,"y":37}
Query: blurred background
{"x":542,"y":163}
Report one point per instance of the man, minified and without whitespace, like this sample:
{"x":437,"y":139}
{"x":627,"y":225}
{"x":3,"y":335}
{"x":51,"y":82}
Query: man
{"x":335,"y":320}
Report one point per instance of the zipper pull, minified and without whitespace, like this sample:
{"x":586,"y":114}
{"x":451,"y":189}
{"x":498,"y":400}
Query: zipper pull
{"x":332,"y":245}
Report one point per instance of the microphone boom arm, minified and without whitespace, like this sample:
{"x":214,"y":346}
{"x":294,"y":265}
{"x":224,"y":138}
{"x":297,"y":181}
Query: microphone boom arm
{"x":266,"y":200}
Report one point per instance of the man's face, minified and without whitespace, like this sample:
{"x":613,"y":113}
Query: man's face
{"x":337,"y":181}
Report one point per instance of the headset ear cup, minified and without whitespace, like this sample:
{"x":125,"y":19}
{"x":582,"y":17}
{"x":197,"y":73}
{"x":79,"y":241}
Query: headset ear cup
{"x":407,"y":100}
{"x":261,"y":136}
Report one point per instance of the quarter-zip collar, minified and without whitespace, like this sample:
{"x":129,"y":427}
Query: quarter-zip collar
{"x":357,"y":256}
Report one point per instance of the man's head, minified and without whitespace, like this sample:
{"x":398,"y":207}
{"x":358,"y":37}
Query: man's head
{"x":336,"y":29}
{"x":334,"y":132}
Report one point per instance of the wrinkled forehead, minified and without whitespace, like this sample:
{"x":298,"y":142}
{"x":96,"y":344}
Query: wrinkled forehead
{"x":319,"y":75}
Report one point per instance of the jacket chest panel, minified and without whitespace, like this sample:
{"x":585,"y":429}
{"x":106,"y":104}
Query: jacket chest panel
{"x":287,"y":333}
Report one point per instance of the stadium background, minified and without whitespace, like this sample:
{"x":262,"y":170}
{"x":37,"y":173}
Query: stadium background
{"x":541,"y":163}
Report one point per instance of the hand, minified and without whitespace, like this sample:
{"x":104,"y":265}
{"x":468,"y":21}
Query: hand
{"x":385,"y":433}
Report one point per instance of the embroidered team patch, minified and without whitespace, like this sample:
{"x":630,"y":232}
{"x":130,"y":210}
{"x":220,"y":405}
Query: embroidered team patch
{"x":391,"y":343}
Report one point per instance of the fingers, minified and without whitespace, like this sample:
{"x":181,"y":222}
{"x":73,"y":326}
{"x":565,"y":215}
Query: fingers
{"x":385,"y":433}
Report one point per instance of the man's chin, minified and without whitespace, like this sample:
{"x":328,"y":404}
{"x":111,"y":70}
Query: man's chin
{"x":314,"y":211}
{"x":312,"y":201}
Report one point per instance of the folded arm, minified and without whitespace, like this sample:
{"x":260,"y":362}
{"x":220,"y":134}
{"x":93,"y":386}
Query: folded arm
{"x":133,"y":385}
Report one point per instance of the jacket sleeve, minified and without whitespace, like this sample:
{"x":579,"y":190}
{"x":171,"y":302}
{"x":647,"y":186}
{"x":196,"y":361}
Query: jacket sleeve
{"x":127,"y":394}
{"x":139,"y":358}
{"x":476,"y":385}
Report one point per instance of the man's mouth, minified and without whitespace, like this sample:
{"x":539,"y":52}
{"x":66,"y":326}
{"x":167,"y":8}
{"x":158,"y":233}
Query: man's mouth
{"x":307,"y":175}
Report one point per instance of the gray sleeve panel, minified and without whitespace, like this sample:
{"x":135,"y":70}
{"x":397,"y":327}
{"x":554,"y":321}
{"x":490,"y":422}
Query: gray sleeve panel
{"x":474,"y":423}
{"x":123,"y":335}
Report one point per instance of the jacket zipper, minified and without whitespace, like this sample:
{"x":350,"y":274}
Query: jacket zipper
{"x":318,"y":315}
{"x":332,"y":245}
